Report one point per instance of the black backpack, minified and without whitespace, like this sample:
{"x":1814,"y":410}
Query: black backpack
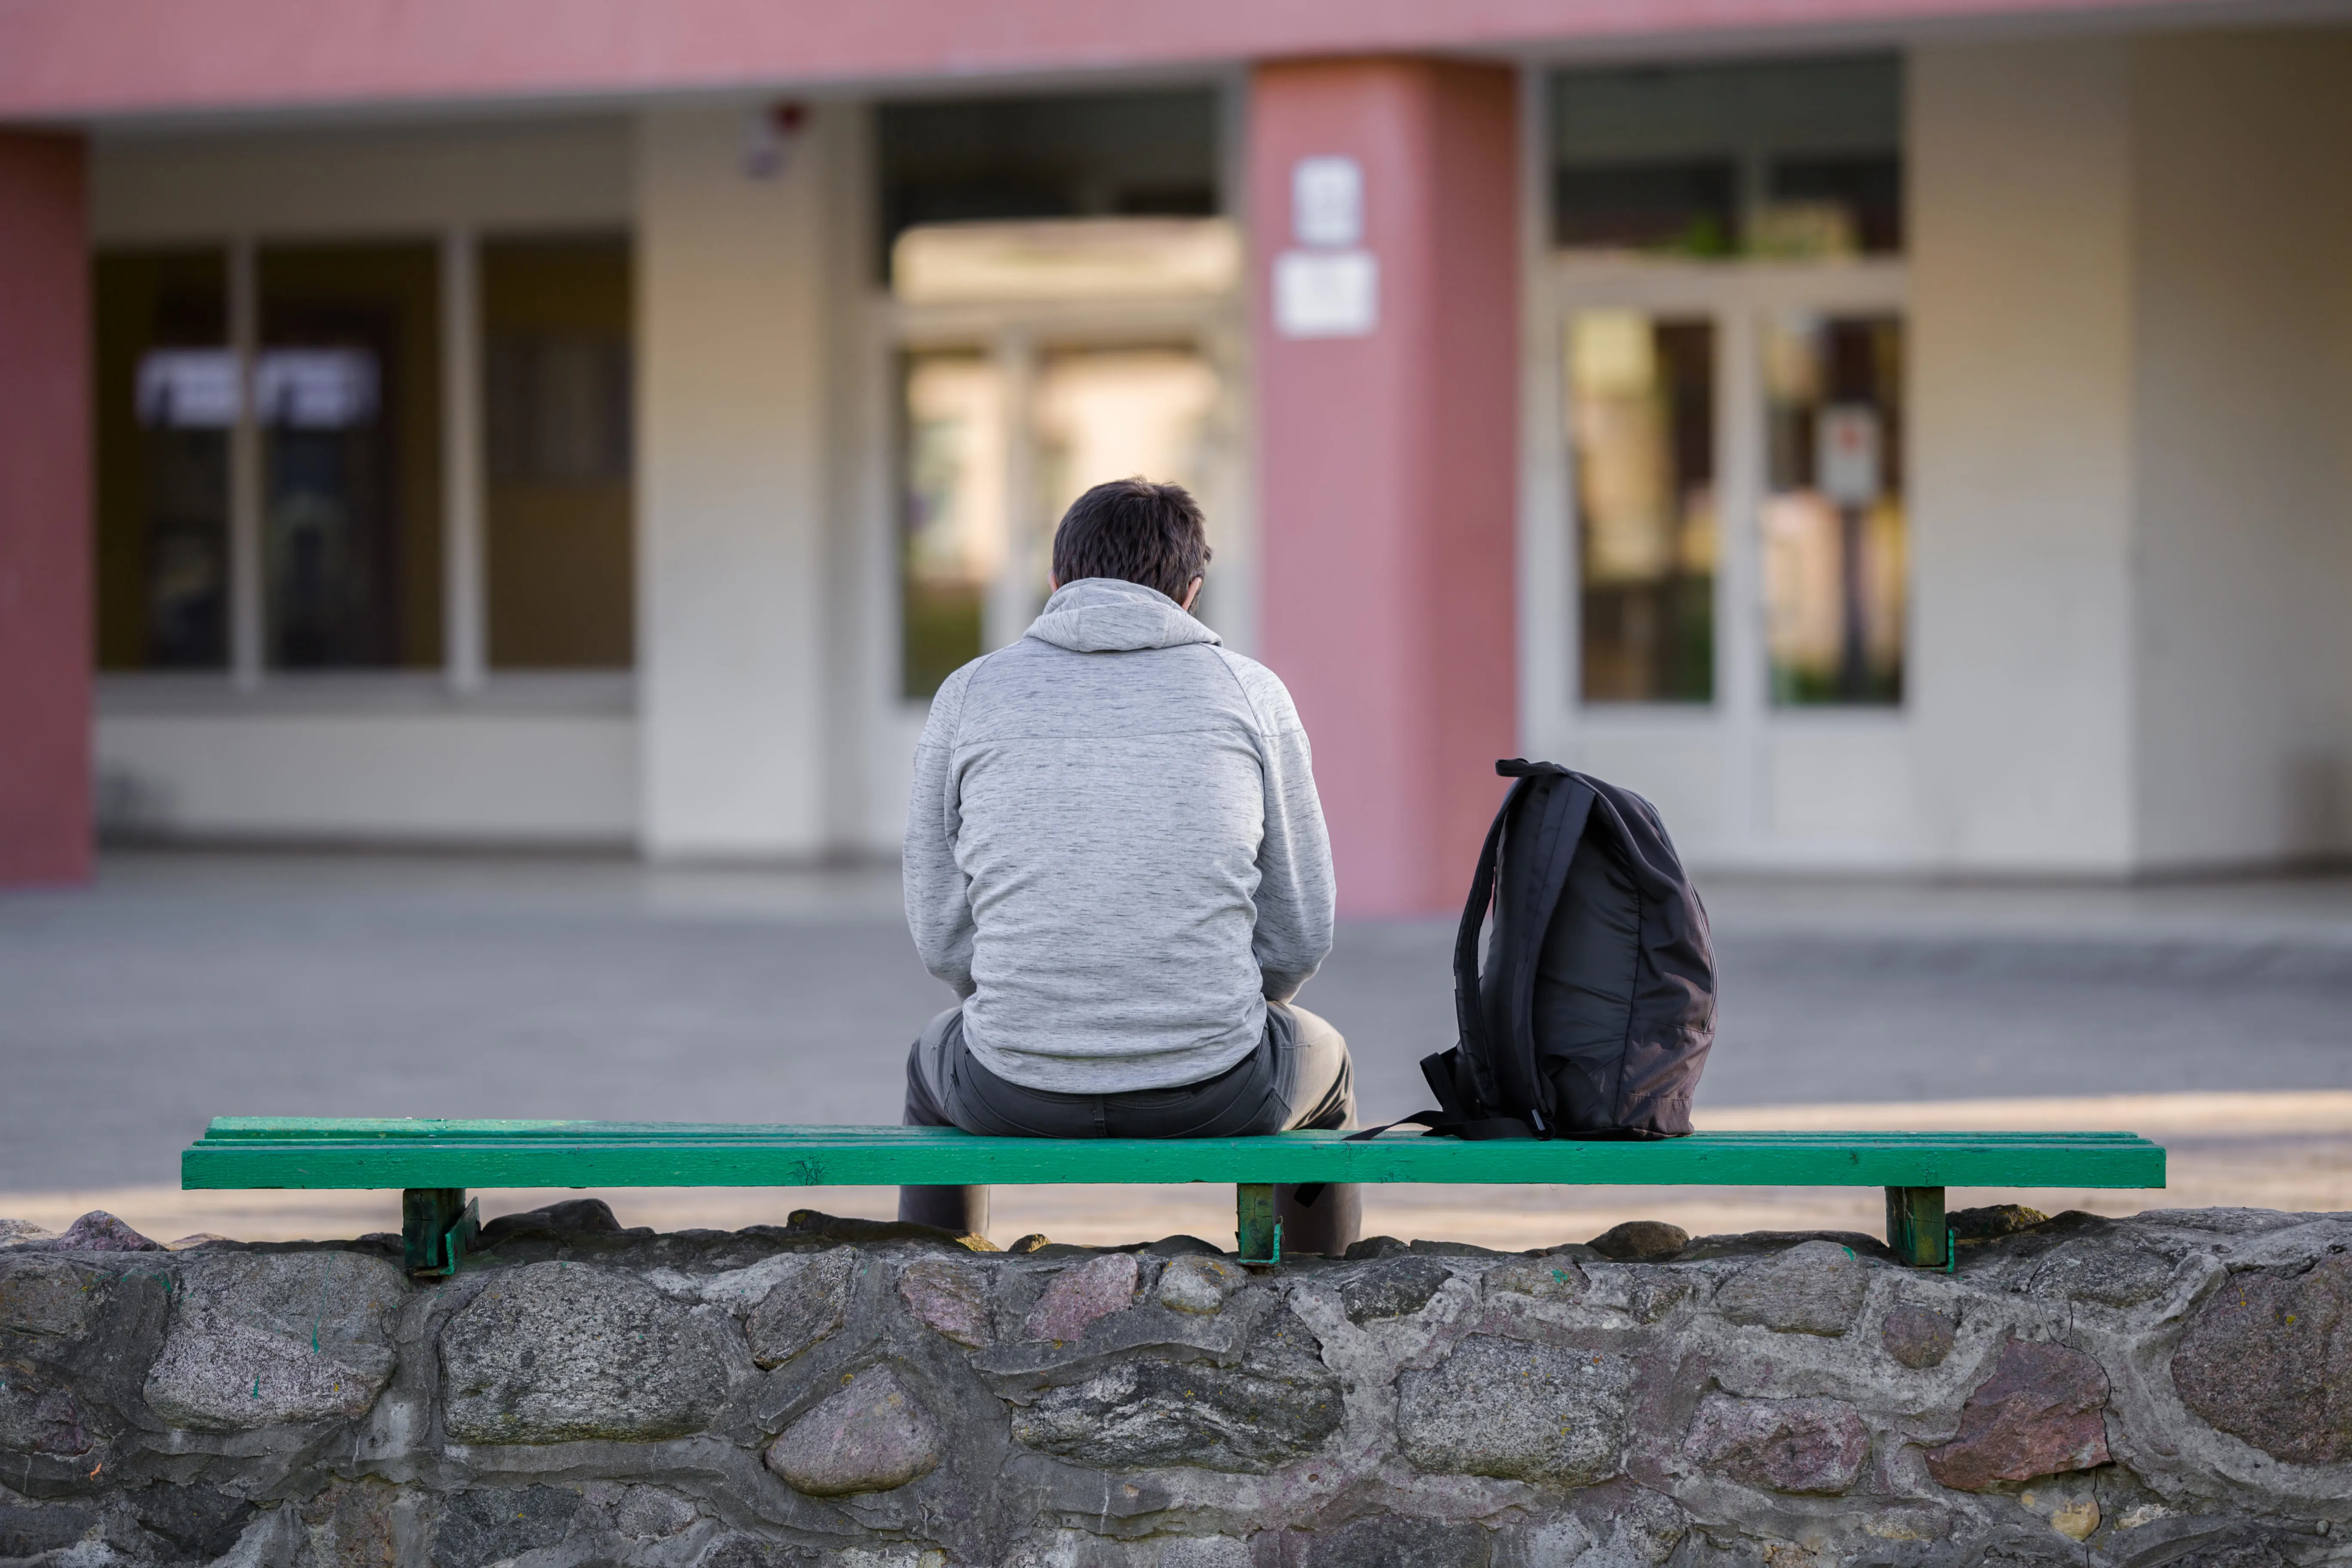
{"x":1596,"y":1008}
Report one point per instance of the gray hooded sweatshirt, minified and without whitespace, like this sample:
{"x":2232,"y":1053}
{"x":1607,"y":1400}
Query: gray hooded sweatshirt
{"x":1114,"y":850}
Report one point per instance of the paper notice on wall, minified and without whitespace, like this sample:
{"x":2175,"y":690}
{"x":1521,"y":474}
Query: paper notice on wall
{"x":1327,"y":202}
{"x":1846,"y":466}
{"x":1325,"y":294}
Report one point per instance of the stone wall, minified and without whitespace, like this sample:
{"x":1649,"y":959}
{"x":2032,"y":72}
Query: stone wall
{"x":2171,"y":1390}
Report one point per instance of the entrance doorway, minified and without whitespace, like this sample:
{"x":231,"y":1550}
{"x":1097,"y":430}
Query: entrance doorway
{"x":1718,"y":589}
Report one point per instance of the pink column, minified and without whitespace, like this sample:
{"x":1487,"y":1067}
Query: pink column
{"x":1388,"y":463}
{"x":45,"y":512}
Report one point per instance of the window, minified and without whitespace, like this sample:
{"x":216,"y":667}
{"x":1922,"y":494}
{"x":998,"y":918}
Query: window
{"x":1785,"y":159}
{"x":1131,"y":154}
{"x":166,"y":390}
{"x":1834,"y":542}
{"x":976,"y":549}
{"x":347,"y":391}
{"x":556,"y":430}
{"x":1642,"y":442}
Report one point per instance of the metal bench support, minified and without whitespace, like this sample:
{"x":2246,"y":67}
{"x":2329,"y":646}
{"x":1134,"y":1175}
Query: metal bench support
{"x":1256,"y":1229}
{"x":1915,"y":1226}
{"x":439,"y":1226}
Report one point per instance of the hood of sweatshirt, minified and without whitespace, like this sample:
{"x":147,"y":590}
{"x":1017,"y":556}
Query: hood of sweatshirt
{"x":1105,"y":615}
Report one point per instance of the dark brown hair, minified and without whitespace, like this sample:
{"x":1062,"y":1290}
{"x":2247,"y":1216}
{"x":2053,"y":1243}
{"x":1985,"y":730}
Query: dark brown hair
{"x":1135,"y":530}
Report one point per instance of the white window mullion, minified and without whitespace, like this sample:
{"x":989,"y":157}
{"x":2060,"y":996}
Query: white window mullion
{"x":465,"y":640}
{"x":1738,"y":591}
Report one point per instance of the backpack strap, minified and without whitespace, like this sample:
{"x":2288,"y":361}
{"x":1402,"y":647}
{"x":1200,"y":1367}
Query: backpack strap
{"x":1458,"y":1117}
{"x":1547,"y":843}
{"x":1469,"y":1012}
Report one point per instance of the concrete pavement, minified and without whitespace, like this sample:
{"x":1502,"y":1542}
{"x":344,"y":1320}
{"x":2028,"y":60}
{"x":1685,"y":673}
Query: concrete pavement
{"x":185,"y":985}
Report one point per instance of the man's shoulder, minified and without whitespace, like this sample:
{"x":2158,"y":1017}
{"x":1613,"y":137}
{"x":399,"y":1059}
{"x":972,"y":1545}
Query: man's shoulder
{"x":1269,"y":699}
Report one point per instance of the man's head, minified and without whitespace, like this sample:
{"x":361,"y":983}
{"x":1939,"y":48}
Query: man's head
{"x":1138,"y":531}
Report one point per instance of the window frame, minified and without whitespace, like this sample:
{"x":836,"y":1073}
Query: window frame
{"x":463,"y":672}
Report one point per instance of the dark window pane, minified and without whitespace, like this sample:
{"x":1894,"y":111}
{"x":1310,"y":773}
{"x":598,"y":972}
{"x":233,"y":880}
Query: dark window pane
{"x":348,"y":391}
{"x":556,"y":427}
{"x":1069,"y":155}
{"x":1865,"y":194}
{"x":1690,"y":208}
{"x":1785,"y":158}
{"x":165,"y":387}
{"x":1834,"y":544}
{"x":1641,"y":434}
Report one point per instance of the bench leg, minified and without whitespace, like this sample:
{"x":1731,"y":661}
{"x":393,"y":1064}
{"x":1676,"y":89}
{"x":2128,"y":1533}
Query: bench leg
{"x":436,"y":1225}
{"x":1915,"y":1226}
{"x":1259,"y":1232}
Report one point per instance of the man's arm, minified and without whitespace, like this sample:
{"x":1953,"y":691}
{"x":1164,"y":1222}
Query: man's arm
{"x":939,"y":907}
{"x":1296,"y":890}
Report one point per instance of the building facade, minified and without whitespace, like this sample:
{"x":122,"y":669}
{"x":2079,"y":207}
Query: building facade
{"x":1892,"y":436}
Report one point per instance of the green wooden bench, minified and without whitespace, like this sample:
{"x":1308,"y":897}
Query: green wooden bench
{"x":433,"y":1163}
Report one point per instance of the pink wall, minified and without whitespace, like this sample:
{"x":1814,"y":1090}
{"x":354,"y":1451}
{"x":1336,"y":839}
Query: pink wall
{"x":1388,"y":468}
{"x":73,"y":58}
{"x":44,"y":510}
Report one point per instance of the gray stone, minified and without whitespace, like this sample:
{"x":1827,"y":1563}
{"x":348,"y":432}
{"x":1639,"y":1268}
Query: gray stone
{"x":30,"y":1531}
{"x":1917,"y":1336}
{"x":197,"y":1521}
{"x":572,"y":1216}
{"x":2111,"y":1275}
{"x":871,"y":1437}
{"x":1197,"y":1284}
{"x":260,"y":1338}
{"x":352,"y":1524}
{"x":16,"y":1231}
{"x":651,"y":1513}
{"x":1546,"y":1278}
{"x":1788,"y":1445}
{"x":1654,"y":1293}
{"x":807,"y":1304}
{"x":2268,"y":1359}
{"x":39,"y":1414}
{"x":1396,"y":1541}
{"x":1392,"y":1288}
{"x":1815,"y":1287}
{"x":1101,"y":1286}
{"x":99,"y":1231}
{"x":1993,"y":1220}
{"x":948,"y":1298}
{"x":1518,"y":1411}
{"x":2039,"y":1413}
{"x":492,"y":1524}
{"x":1280,"y":1403}
{"x":561,"y":1352}
{"x":49,"y":1296}
{"x":1639,"y":1240}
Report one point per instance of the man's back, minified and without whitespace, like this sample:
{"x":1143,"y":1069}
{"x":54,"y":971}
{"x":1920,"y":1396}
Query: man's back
{"x":1114,"y":850}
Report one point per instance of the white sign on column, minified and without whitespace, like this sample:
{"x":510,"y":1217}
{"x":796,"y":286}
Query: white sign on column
{"x":1329,"y":287}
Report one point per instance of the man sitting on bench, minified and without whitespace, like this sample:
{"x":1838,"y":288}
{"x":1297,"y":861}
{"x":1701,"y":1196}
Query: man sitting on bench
{"x":1116,"y":856}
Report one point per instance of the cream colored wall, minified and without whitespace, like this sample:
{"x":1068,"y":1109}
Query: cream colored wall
{"x":2022,"y":266}
{"x":2243,"y":385}
{"x":489,"y":777}
{"x":735,"y":422}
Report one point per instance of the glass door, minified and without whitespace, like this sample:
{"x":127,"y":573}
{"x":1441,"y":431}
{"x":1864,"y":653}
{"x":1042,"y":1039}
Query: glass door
{"x":1729,"y":451}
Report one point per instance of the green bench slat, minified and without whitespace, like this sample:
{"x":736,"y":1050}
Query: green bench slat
{"x":258,"y":1151}
{"x":311,"y":1129}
